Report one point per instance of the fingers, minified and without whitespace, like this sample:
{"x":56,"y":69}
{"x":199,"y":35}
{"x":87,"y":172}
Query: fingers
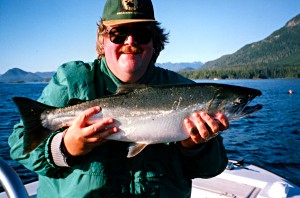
{"x":193,"y":131}
{"x":223,"y":121}
{"x":94,"y":130}
{"x":100,"y":130}
{"x":202,"y":127}
{"x":83,"y":117}
{"x":83,"y":135}
{"x":96,"y":127}
{"x":202,"y":120}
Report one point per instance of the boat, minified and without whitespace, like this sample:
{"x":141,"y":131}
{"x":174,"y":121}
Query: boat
{"x":239,"y":180}
{"x":243,"y":180}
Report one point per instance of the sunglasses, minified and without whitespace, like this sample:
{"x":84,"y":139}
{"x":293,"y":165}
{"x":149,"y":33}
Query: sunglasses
{"x":118,"y":35}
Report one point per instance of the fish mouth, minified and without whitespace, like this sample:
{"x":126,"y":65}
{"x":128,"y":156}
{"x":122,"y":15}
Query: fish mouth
{"x":250,"y":109}
{"x":244,"y":112}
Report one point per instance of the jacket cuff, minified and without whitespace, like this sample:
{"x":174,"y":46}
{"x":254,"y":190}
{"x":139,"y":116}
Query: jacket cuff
{"x":201,"y":148}
{"x":58,"y":157}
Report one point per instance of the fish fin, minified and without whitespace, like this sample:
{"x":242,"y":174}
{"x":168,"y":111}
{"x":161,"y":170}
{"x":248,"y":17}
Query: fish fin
{"x":75,"y":101}
{"x":127,"y":88}
{"x":135,"y":148}
{"x":34,"y":133}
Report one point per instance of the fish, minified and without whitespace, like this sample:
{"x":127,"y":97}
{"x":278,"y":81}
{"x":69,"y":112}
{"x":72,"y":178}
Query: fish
{"x":144,"y":114}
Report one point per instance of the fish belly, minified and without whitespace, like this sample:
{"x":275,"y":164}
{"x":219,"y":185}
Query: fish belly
{"x":150,"y":127}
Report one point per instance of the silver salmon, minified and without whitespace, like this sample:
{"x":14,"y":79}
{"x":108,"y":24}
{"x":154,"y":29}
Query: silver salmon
{"x":144,"y":114}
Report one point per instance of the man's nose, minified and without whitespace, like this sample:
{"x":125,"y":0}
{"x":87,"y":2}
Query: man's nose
{"x":130,"y":40}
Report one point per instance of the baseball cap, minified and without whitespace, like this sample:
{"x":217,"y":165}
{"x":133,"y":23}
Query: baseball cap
{"x":117,"y":12}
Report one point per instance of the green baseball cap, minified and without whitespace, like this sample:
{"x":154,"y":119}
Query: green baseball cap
{"x":117,"y":12}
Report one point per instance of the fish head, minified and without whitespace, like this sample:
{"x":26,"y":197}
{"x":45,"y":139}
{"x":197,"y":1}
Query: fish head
{"x":238,"y":107}
{"x":233,"y":101}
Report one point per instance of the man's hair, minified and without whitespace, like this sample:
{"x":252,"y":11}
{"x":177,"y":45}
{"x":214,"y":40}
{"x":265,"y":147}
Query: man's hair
{"x":159,"y":37}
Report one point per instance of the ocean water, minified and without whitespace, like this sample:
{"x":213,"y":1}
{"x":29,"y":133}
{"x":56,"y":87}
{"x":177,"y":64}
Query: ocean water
{"x":269,"y":138}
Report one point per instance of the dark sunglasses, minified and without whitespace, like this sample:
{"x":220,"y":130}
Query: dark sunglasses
{"x":118,"y":35}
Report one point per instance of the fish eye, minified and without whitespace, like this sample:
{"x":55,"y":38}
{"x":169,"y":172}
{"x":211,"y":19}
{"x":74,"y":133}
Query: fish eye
{"x":239,"y":101}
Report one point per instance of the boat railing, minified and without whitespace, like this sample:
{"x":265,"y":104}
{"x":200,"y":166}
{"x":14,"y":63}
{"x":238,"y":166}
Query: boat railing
{"x":11,"y":182}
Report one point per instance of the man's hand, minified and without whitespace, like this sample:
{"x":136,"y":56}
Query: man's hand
{"x":83,"y":135}
{"x":202,"y":127}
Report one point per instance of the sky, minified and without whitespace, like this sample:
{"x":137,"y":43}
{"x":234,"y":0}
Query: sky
{"x":40,"y":35}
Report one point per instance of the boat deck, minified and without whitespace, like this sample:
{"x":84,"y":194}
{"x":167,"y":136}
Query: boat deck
{"x":245,"y":181}
{"x":239,"y":180}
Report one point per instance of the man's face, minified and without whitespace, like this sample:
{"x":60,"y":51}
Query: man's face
{"x":128,"y":59}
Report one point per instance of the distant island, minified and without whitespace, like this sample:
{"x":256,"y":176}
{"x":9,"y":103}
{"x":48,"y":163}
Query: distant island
{"x":17,"y":75}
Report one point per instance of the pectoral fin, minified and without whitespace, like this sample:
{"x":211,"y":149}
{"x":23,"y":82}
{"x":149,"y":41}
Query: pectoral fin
{"x":135,"y":148}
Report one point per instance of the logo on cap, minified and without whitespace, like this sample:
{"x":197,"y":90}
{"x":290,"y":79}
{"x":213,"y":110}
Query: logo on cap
{"x":118,"y":12}
{"x":130,"y":5}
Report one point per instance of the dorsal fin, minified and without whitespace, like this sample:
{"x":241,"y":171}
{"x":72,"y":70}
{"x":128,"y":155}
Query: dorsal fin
{"x":127,"y":88}
{"x":75,"y":101}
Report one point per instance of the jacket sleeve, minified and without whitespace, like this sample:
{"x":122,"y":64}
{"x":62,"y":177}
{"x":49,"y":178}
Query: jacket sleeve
{"x":38,"y":160}
{"x":72,"y":80}
{"x":206,"y":161}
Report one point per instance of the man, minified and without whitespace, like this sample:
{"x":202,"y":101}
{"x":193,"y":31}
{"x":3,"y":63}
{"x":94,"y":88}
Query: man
{"x":79,"y":162}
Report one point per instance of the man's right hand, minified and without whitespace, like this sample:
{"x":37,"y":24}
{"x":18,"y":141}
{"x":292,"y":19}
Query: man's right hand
{"x":83,"y":135}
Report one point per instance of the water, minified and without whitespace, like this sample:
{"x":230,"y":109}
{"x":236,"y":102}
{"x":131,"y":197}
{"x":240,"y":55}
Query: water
{"x":9,"y":116}
{"x":269,"y":138}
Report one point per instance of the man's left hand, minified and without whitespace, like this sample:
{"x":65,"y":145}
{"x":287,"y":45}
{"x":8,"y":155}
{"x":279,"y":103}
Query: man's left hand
{"x":202,"y":127}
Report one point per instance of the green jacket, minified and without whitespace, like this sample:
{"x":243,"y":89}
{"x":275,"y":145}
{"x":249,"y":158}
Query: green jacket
{"x":160,"y":170}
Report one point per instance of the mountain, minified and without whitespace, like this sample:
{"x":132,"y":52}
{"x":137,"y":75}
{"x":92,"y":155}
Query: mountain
{"x":281,"y":48}
{"x":45,"y":75}
{"x":17,"y":75}
{"x":180,"y":66}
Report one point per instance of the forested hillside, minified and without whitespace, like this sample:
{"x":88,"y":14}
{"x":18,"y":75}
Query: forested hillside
{"x":277,"y":56}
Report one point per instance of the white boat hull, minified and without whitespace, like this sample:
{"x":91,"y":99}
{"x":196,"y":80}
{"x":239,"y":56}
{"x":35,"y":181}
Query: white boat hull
{"x":246,"y":181}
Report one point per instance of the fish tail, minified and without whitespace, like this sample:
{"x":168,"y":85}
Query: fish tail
{"x":34,"y":132}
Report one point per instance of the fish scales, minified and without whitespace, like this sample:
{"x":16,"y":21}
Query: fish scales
{"x":144,"y":114}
